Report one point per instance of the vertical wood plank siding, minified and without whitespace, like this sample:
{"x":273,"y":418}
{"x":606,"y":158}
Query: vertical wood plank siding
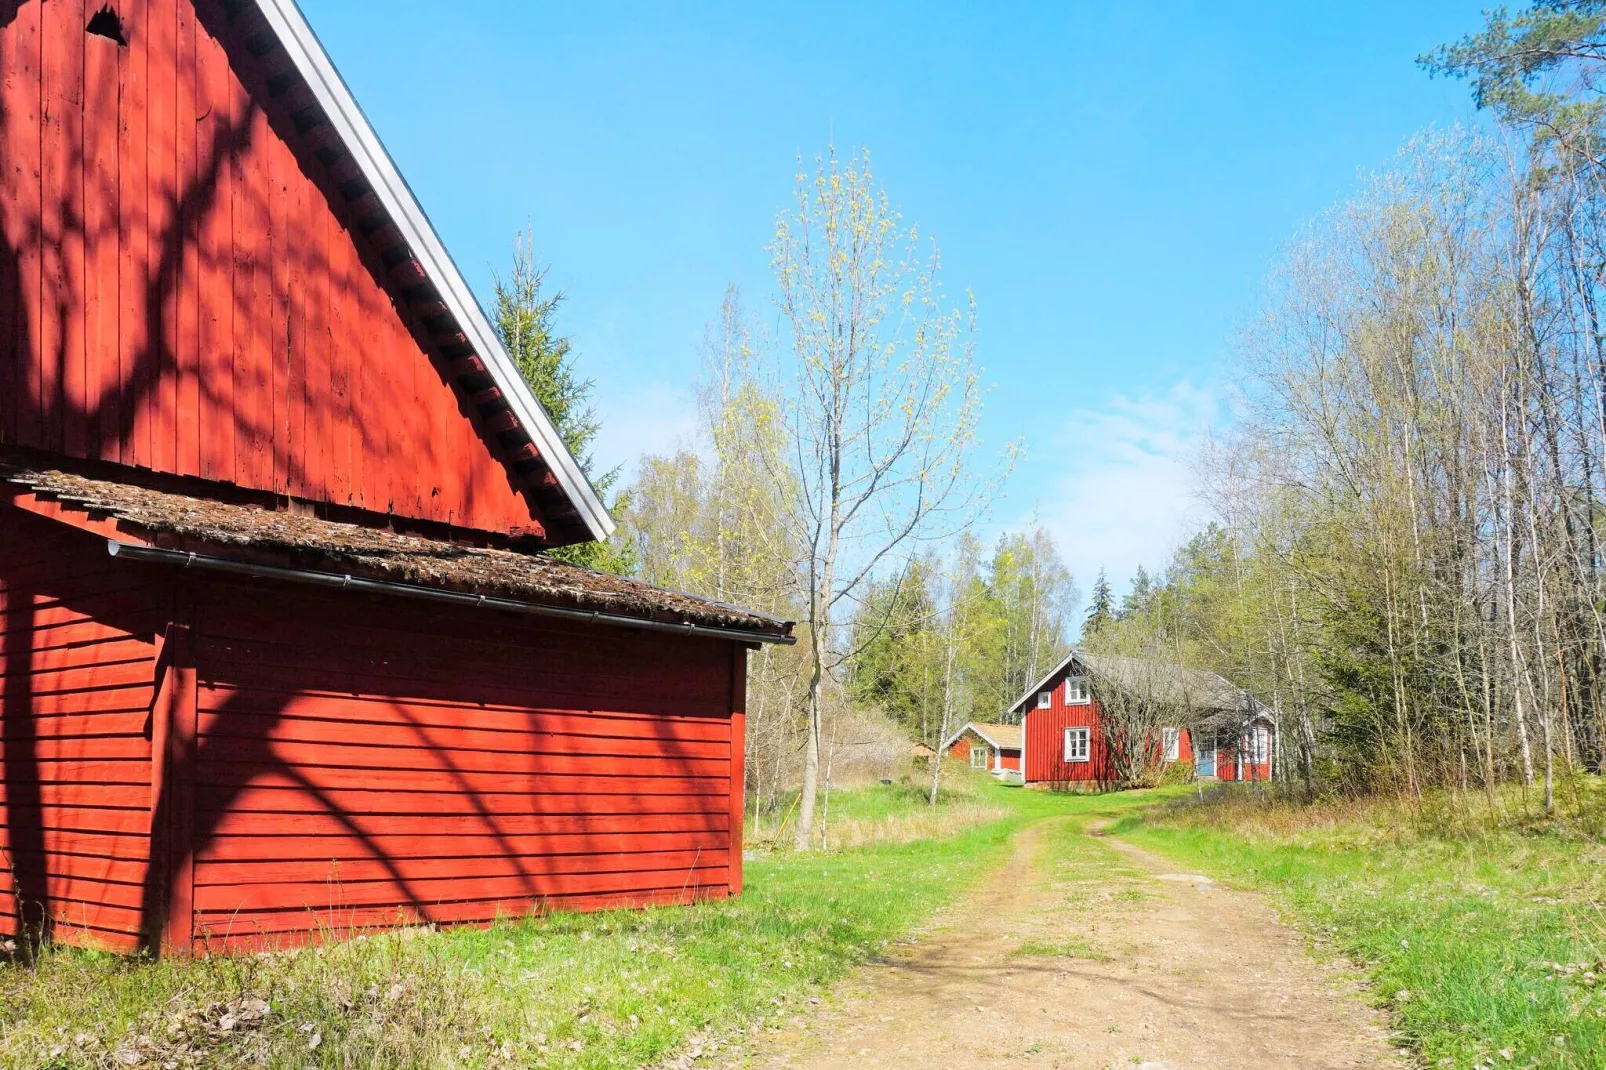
{"x":361,"y":764}
{"x":182,"y":288}
{"x":77,"y":660}
{"x":1045,"y":740}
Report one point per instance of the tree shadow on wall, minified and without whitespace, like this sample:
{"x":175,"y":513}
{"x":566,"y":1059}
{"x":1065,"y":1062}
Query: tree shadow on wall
{"x":49,"y":402}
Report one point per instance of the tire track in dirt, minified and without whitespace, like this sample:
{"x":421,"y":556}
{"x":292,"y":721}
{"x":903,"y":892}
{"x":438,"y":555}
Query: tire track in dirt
{"x":1087,"y":952}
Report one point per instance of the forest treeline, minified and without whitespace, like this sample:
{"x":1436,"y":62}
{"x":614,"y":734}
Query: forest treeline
{"x":1404,"y":560}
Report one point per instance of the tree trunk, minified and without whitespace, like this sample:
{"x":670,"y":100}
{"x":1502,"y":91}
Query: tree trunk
{"x":803,"y":836}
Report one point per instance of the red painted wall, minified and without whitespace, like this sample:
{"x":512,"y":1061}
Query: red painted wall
{"x":1227,"y":766}
{"x":1045,"y":744}
{"x":365,"y":762}
{"x":328,"y":761}
{"x":77,"y":660}
{"x":1184,"y":746}
{"x":182,"y":291}
{"x":961,"y":747}
{"x":1045,"y":740}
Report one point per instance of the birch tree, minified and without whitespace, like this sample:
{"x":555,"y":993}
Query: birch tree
{"x":881,"y":397}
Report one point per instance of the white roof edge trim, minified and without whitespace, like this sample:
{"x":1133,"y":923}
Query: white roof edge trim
{"x":359,"y":137}
{"x":1035,"y":688}
{"x":970,"y":726}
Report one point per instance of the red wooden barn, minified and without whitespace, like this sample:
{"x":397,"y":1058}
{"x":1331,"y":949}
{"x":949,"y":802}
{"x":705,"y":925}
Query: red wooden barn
{"x":1059,"y":722}
{"x":278,"y":651}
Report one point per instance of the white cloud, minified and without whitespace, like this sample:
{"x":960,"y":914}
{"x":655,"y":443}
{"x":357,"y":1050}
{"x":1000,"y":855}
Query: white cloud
{"x":1124,"y":492}
{"x":652,"y":417}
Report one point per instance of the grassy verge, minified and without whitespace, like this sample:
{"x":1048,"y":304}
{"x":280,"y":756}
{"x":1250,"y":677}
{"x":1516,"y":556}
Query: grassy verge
{"x":619,"y":989}
{"x":895,"y":813}
{"x":1485,"y":937}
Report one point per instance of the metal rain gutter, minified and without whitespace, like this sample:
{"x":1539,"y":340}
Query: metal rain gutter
{"x":185,"y":559}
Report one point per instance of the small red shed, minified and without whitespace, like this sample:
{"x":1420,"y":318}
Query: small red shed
{"x":279,"y":652}
{"x":1061,"y":722}
{"x":993,"y":747}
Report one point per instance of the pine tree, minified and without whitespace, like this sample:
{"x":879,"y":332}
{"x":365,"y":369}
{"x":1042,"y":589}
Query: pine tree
{"x":524,"y":319}
{"x":1102,"y":610}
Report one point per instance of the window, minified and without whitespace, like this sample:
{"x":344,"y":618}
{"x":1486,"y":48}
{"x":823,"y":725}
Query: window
{"x":1260,"y":745}
{"x":1076,"y":693}
{"x":978,"y":756}
{"x":1171,"y":738}
{"x":1043,"y":699}
{"x":1076,"y":744}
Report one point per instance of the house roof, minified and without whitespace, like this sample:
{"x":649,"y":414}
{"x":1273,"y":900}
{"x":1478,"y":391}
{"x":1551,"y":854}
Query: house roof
{"x":1209,"y":695}
{"x":282,"y":542}
{"x":1002,"y":736}
{"x":385,"y":209}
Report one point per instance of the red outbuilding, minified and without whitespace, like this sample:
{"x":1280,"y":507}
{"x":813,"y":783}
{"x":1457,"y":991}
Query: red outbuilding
{"x":1061,"y":721}
{"x":279,"y":652}
{"x":993,"y":747}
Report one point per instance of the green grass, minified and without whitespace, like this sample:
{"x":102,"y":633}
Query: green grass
{"x":1067,"y":949}
{"x":1486,"y":945}
{"x":618,"y":989}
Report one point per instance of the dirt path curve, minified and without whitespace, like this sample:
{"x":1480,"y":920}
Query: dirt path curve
{"x":1087,"y":952}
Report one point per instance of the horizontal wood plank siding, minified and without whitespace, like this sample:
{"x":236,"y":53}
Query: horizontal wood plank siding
{"x":184,"y":287}
{"x":364,"y":763}
{"x":77,"y":665}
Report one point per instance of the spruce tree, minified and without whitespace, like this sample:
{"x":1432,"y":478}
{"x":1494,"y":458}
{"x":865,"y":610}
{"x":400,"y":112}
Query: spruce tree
{"x":524,"y":317}
{"x":1102,"y":610}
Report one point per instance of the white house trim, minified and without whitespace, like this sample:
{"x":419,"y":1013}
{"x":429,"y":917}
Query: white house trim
{"x":1035,"y":688}
{"x":1023,"y":779}
{"x":355,"y":132}
{"x":970,"y":726}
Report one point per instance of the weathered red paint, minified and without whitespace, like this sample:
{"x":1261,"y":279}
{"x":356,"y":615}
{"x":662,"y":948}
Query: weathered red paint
{"x":77,"y":670}
{"x":331,"y":762}
{"x":188,"y":288}
{"x":189,"y":294}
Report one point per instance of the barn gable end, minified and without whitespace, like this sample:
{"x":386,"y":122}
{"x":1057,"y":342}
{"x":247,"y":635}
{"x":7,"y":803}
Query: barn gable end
{"x":280,"y":654}
{"x":210,"y":269}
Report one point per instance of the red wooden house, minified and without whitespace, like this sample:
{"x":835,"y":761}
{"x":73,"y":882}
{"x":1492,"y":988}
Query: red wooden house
{"x":278,"y":651}
{"x":1060,"y":722}
{"x":993,"y":747}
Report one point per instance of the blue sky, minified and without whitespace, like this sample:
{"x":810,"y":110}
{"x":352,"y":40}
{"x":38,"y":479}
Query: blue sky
{"x":1112,"y":182}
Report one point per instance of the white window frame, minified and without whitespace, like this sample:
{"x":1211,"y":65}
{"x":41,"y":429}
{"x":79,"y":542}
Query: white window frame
{"x":1077,"y":693}
{"x":1171,"y":742}
{"x":984,"y":752}
{"x":1259,"y":745}
{"x":1045,"y":699}
{"x":1078,"y":744}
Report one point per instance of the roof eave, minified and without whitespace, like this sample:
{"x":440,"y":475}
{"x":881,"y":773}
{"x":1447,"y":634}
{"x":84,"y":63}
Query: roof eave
{"x":301,"y":44}
{"x":1035,"y":688}
{"x":132,"y":551}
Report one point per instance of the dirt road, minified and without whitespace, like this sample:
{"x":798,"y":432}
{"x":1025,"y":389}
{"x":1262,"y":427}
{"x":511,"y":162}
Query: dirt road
{"x":1084,"y":952}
